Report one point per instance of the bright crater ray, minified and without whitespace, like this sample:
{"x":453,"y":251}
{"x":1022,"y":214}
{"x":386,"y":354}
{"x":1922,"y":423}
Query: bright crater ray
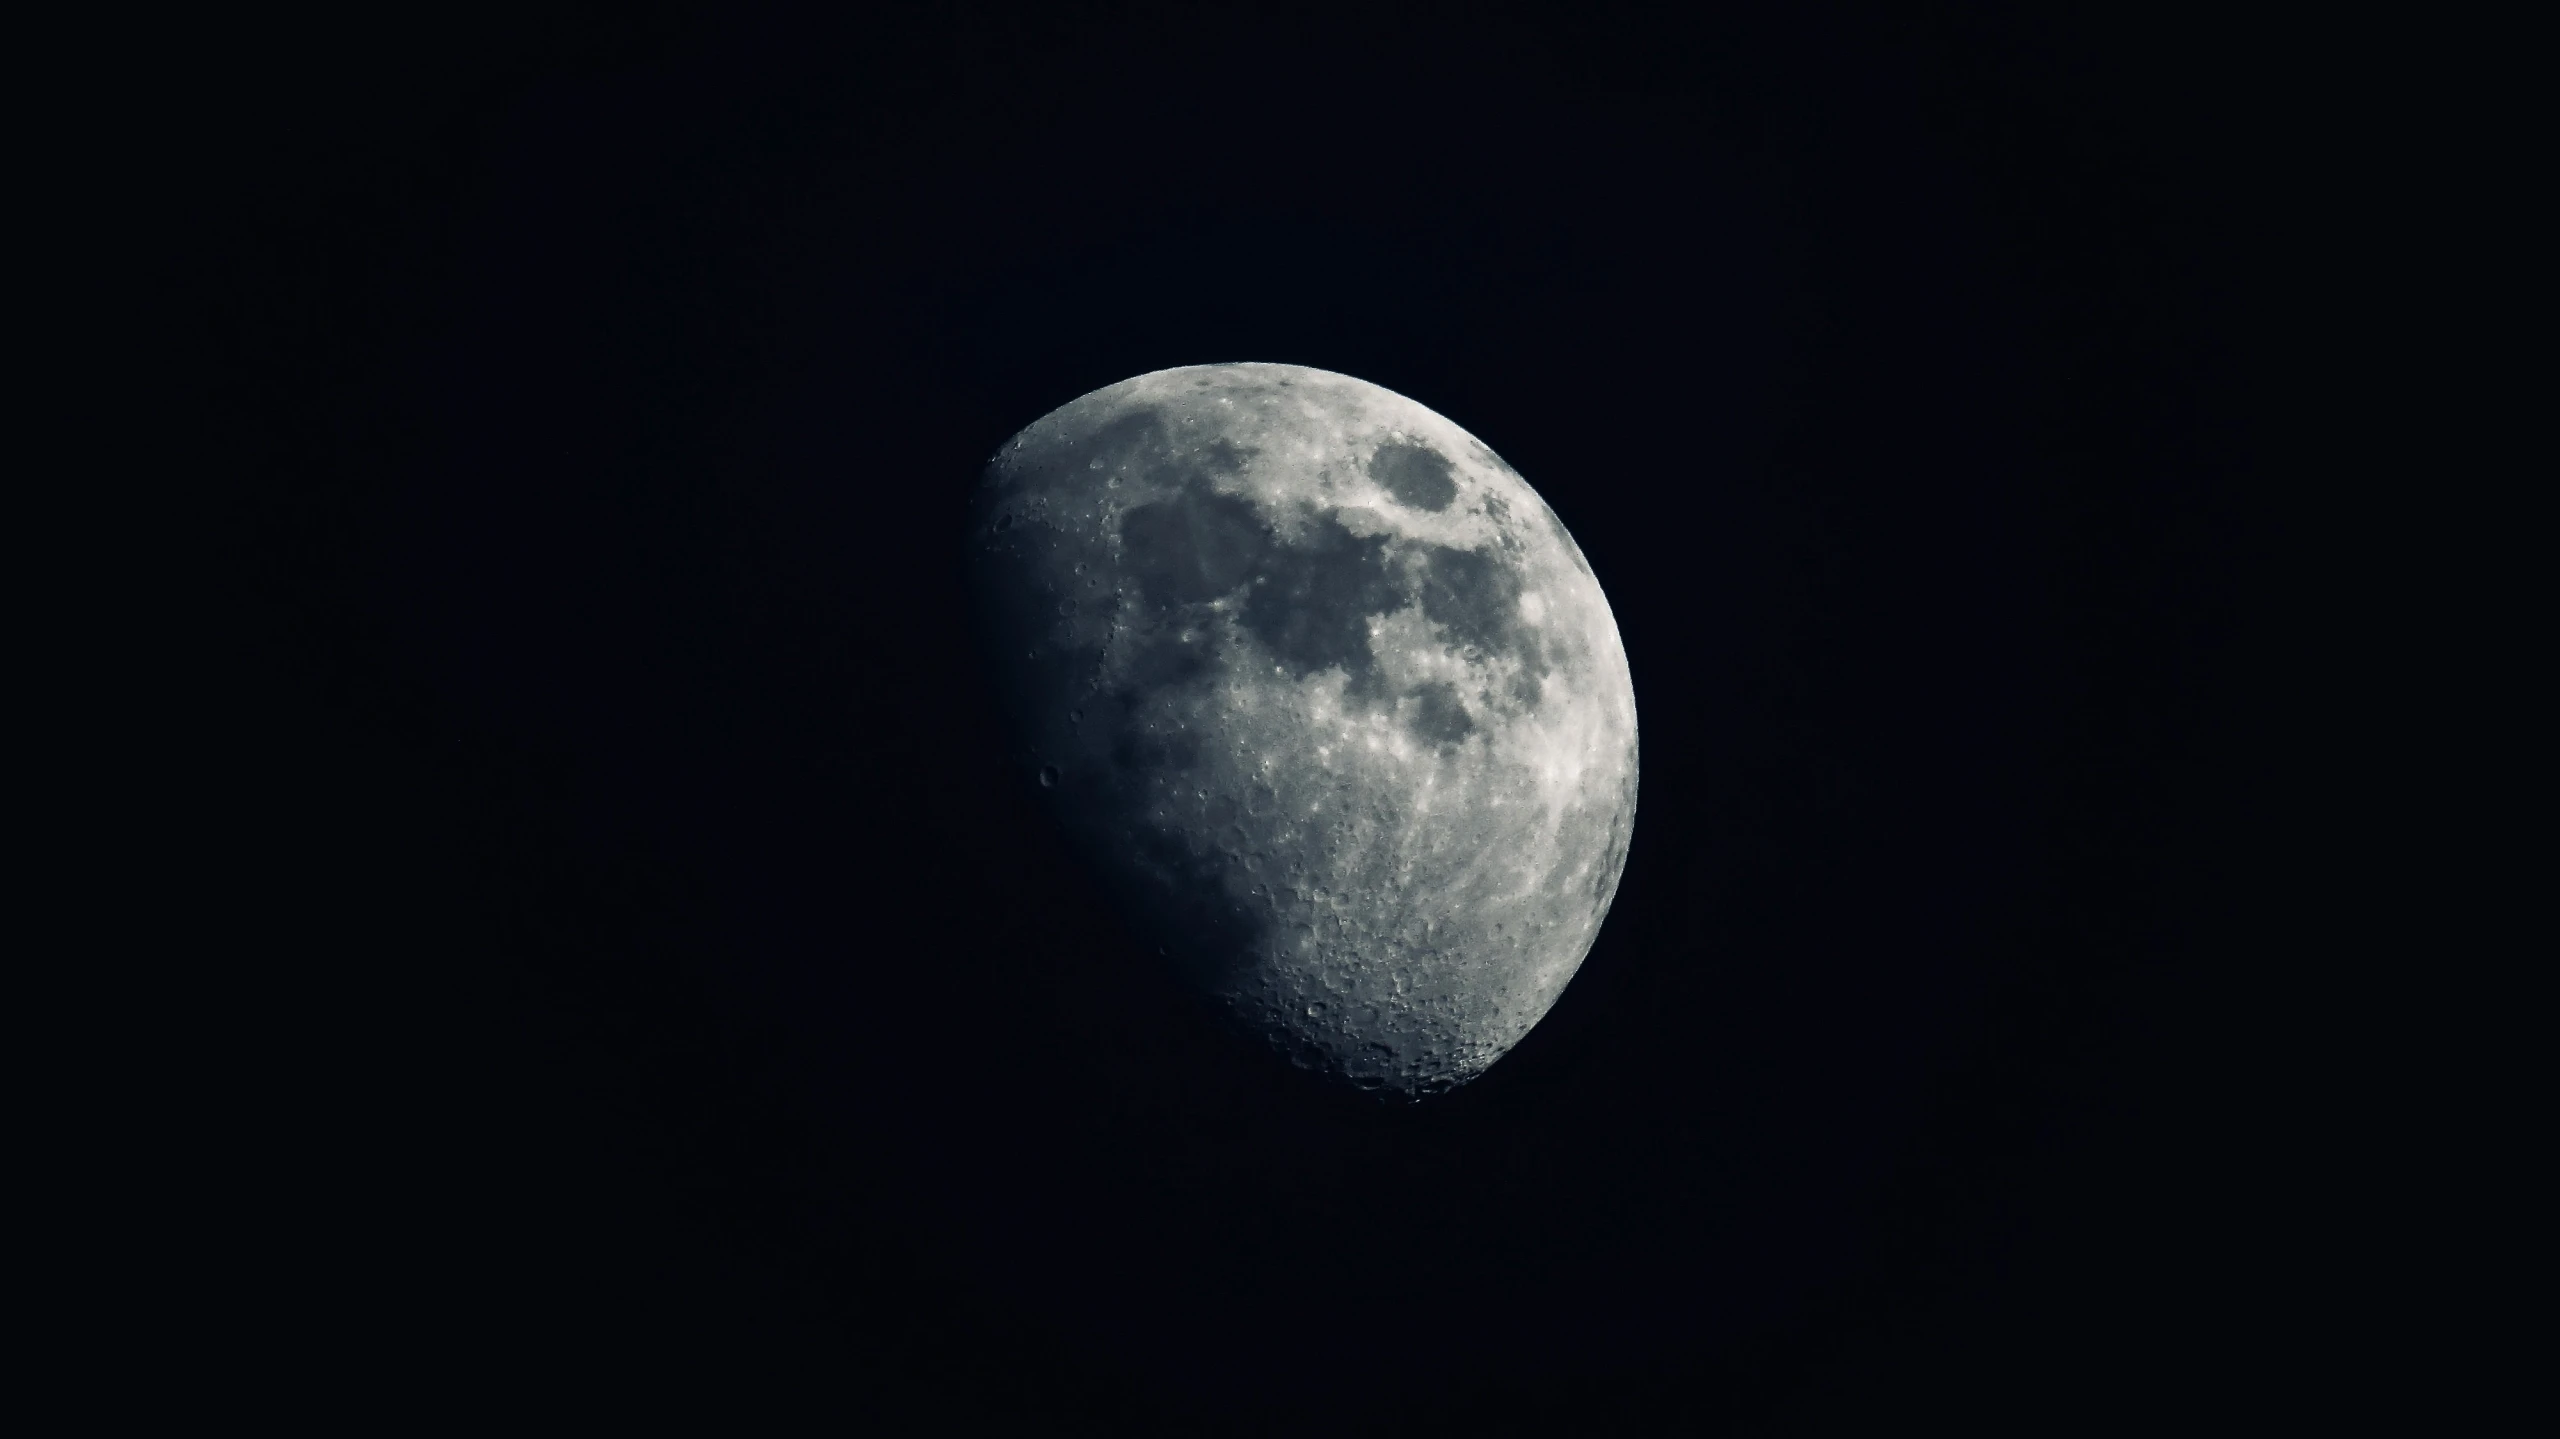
{"x":1330,"y":697}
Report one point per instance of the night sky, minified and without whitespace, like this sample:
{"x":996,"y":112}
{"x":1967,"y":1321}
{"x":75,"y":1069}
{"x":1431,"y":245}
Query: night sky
{"x":664,"y":993}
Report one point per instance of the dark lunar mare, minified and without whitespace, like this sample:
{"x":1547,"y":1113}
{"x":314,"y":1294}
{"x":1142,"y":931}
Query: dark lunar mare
{"x":1415,"y":474}
{"x":1194,"y":547}
{"x":1314,"y":600}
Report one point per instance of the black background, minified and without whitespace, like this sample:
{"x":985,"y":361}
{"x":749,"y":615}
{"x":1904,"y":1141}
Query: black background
{"x":661,"y":993}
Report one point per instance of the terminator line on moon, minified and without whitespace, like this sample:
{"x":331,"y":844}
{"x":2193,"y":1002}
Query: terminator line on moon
{"x":1328,"y":694}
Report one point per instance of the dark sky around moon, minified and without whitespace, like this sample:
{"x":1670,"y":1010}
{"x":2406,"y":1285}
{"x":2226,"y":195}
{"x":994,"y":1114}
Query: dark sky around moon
{"x":671,"y":977}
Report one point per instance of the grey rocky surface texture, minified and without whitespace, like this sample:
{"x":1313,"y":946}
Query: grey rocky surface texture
{"x":1327,"y":694}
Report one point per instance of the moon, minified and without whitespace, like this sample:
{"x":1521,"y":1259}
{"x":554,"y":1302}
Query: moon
{"x":1328,"y":696}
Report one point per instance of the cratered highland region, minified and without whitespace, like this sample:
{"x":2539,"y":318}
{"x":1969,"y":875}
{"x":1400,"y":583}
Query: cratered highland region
{"x":1327,"y":695}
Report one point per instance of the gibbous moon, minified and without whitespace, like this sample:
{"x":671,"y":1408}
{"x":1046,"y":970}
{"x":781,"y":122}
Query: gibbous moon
{"x":1327,"y":694}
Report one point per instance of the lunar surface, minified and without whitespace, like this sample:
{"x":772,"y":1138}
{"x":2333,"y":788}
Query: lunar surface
{"x":1328,"y":694}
